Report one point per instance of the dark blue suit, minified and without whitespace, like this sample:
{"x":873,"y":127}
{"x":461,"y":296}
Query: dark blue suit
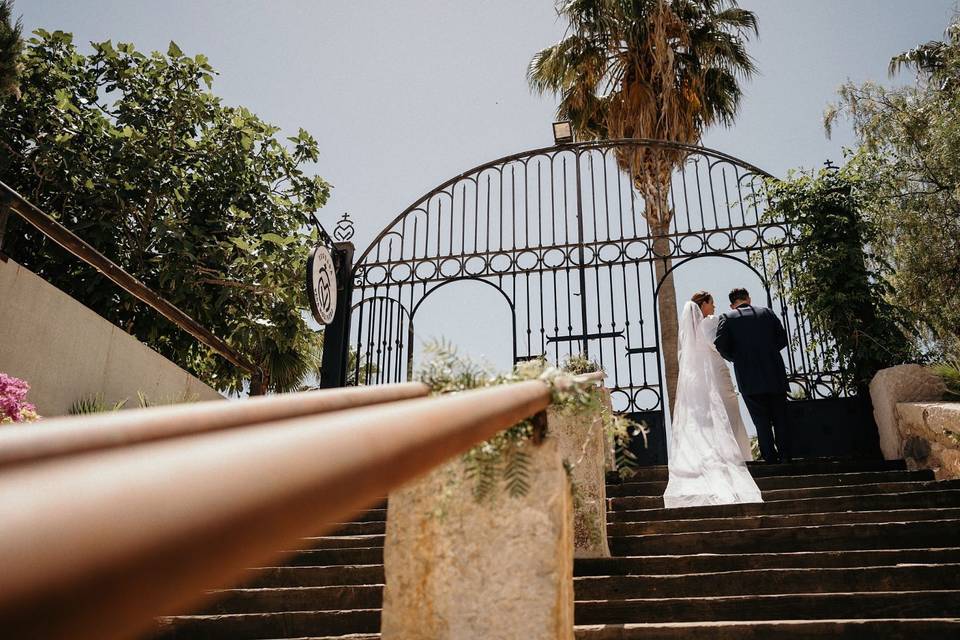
{"x":751,"y":338}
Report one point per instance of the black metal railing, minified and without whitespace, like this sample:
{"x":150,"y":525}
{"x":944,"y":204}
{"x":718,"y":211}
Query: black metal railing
{"x":11,"y":201}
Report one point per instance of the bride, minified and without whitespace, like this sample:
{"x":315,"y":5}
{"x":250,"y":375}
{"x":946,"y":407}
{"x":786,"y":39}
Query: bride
{"x":708,"y":440}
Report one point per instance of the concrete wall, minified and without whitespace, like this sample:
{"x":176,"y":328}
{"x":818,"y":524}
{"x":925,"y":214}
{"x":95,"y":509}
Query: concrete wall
{"x":66,"y":351}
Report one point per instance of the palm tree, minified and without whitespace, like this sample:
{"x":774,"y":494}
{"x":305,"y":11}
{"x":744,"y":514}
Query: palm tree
{"x":10,"y":46}
{"x":936,"y":60}
{"x":657,"y":69}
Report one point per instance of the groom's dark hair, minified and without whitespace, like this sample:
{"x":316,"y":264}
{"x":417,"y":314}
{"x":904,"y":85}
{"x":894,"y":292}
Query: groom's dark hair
{"x":739,"y":294}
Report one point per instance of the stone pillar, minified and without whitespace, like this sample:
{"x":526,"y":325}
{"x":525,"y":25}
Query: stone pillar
{"x":902,"y":383}
{"x":931,"y":437}
{"x":498,"y":570}
{"x":584,"y":444}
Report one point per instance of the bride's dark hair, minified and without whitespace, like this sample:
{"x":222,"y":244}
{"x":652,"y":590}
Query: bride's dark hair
{"x":701,"y":297}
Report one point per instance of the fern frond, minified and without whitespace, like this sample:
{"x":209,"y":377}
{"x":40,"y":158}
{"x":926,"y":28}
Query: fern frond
{"x":516,"y":472}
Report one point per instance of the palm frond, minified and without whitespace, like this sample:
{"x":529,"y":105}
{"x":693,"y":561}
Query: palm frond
{"x":659,"y":69}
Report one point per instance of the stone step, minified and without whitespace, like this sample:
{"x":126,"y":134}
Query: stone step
{"x":941,"y":498}
{"x":321,"y":576}
{"x":372,"y":515}
{"x":797,"y":468}
{"x":881,"y":629}
{"x":351,"y":636}
{"x":343,"y":541}
{"x":778,"y":521}
{"x":259,"y":626}
{"x":754,"y":582}
{"x":770,"y":581}
{"x":711,"y":563}
{"x":360,"y":528}
{"x":656,"y":488}
{"x":329,"y":598}
{"x":328,"y":557}
{"x":801,"y":606}
{"x":653,"y":502}
{"x":316,"y":576}
{"x":904,"y":535}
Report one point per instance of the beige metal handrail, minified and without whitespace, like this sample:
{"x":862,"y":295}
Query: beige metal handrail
{"x":23,"y":443}
{"x":94,"y":544}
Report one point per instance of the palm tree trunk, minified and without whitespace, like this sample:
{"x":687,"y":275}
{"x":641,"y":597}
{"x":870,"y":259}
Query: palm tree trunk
{"x":259,"y":383}
{"x":667,"y":311}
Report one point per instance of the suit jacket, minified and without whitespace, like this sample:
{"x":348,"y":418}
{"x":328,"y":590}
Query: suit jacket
{"x":751,"y":338}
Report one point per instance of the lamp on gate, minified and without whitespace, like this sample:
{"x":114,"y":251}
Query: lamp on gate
{"x":562,"y":132}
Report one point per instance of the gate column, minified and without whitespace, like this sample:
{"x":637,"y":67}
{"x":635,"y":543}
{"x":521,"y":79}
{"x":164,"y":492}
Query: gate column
{"x":336,"y":336}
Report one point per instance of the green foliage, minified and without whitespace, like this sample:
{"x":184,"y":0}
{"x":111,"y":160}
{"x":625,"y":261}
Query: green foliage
{"x":949,"y":372}
{"x":907,"y":158}
{"x":622,"y":431}
{"x":445,"y":370}
{"x":835,"y":277}
{"x":94,"y":404}
{"x":202,"y":202}
{"x":579,"y":364}
{"x":11,"y":44}
{"x":655,"y":69}
{"x":755,"y":448}
{"x":505,"y":458}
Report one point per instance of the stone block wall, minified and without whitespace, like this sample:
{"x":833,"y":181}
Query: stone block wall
{"x":457,"y":569}
{"x":583,"y":444}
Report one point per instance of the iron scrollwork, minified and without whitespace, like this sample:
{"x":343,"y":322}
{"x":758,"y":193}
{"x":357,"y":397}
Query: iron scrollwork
{"x":560,"y":232}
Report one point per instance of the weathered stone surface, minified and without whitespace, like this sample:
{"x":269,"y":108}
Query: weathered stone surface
{"x":584,"y":445}
{"x":931,"y":436}
{"x":456,"y":569}
{"x":903,"y":383}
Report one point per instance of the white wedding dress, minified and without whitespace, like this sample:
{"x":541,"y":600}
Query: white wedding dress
{"x":708,"y":441}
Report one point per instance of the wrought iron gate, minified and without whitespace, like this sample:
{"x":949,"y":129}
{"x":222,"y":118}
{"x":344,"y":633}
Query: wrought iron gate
{"x":560,"y":233}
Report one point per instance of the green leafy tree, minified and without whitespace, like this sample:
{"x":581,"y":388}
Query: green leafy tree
{"x":10,"y":48}
{"x":658,"y":69}
{"x":908,"y":157}
{"x":199,"y":200}
{"x":836,"y":279}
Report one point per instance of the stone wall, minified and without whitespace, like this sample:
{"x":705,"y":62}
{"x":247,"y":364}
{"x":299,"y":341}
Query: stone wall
{"x":66,"y":351}
{"x":930,"y":432}
{"x":903,"y":383}
{"x":461,"y":570}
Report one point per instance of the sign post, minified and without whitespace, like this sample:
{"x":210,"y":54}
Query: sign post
{"x":336,"y":337}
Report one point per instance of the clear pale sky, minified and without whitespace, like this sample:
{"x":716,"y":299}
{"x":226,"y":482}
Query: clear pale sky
{"x":403,"y":95}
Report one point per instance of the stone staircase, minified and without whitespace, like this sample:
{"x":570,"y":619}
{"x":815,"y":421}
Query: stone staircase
{"x":840,"y":549}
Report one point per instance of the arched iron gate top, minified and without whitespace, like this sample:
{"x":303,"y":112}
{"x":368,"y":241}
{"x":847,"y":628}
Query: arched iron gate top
{"x":562,"y":232}
{"x":577,"y":148}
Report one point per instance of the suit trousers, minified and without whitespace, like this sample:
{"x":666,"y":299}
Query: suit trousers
{"x":769,"y":414}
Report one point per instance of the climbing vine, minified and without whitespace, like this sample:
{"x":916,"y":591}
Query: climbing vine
{"x":836,"y":277}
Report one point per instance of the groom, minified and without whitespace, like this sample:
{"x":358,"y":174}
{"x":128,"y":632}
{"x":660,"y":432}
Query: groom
{"x":752,"y":337}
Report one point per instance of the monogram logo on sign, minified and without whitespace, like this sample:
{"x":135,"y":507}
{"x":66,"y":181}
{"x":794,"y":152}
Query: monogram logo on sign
{"x":344,"y":229}
{"x":322,"y":285}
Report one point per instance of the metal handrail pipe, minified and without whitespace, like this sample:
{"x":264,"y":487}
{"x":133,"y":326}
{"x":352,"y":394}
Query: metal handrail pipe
{"x":55,"y":437}
{"x":94,"y":546}
{"x":83,"y":250}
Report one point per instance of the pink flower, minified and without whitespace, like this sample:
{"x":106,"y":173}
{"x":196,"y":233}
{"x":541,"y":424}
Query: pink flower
{"x":13,"y":400}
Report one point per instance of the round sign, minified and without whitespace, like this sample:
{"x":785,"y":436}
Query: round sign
{"x":322,"y":285}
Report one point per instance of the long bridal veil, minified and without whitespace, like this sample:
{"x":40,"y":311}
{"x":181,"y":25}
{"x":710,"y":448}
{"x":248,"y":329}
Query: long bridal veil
{"x":704,"y":460}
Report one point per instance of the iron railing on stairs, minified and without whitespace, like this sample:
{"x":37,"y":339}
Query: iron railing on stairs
{"x":11,"y":201}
